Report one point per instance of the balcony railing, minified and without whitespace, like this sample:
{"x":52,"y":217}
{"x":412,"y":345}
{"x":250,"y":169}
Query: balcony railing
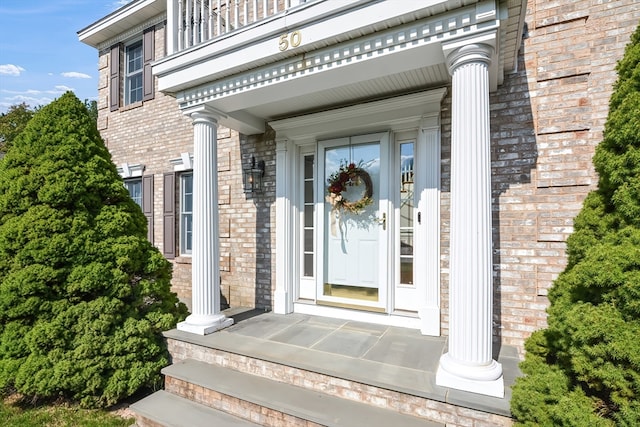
{"x":196,"y":21}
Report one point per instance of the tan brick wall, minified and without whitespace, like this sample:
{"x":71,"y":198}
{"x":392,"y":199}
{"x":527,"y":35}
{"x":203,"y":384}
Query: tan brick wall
{"x":152,"y":133}
{"x":546,"y":120}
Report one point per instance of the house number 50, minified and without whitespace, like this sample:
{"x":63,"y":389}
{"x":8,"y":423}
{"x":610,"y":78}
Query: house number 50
{"x":290,"y":40}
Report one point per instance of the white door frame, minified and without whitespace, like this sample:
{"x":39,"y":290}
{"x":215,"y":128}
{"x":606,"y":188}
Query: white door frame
{"x":416,"y":111}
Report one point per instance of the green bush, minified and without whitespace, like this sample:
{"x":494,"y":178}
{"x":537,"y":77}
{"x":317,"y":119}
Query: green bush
{"x":12,"y":123}
{"x":584,"y":369}
{"x":84,"y":296}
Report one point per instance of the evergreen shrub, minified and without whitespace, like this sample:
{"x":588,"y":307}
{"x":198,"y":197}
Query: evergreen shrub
{"x":84,"y":296}
{"x":584,"y":368}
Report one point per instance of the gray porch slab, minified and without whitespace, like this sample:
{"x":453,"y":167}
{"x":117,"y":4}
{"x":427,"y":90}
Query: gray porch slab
{"x":347,"y":342}
{"x":383,"y":356}
{"x":410,"y":350}
{"x":302,"y":334}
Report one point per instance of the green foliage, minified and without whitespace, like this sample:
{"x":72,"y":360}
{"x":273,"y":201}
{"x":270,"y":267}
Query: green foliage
{"x":84,"y":296}
{"x":92,"y":108}
{"x":21,"y":414}
{"x":584,"y":369}
{"x":12,"y":123}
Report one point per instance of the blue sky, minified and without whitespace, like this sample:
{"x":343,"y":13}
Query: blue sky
{"x":40,"y":55}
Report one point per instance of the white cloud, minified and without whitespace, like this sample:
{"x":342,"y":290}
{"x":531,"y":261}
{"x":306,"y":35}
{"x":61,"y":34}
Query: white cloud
{"x":75,"y":75}
{"x":32,"y":101}
{"x":31,"y":97}
{"x":11,"y":70}
{"x":61,"y":89}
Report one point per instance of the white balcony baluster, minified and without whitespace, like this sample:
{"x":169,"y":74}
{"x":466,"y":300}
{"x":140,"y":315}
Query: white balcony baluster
{"x":198,"y":21}
{"x":180,"y":26}
{"x":210,"y":20}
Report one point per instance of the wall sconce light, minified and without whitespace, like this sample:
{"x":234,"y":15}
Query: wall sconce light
{"x":253,"y":176}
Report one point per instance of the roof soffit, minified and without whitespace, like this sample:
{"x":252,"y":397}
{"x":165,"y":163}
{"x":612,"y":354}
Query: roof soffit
{"x":124,"y":20}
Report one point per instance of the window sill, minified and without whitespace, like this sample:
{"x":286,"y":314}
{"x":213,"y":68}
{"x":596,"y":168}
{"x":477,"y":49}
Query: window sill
{"x":132,"y":106}
{"x":183,"y":259}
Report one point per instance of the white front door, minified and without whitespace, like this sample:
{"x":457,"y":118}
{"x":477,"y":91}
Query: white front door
{"x":353,"y":202}
{"x":368,"y":226}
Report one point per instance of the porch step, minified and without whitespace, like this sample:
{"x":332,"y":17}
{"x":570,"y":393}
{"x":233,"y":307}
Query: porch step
{"x":269,"y":402}
{"x":163,"y":409}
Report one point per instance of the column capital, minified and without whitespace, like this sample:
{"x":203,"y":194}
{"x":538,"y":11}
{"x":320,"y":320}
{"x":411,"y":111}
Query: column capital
{"x":204,"y":113}
{"x":476,"y":49}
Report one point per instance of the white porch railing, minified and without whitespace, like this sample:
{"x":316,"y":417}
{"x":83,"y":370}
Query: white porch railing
{"x":192,"y":22}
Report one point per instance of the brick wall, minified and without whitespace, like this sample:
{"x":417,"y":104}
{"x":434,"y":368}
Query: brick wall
{"x":417,"y":406}
{"x":154,"y":132}
{"x":546,"y":120}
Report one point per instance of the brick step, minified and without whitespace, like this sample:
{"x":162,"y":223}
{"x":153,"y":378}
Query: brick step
{"x":163,"y":409}
{"x":272,"y":403}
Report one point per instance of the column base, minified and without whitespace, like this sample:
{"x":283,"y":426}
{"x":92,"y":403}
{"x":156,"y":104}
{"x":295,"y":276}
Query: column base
{"x":204,"y":325}
{"x":486,"y":380}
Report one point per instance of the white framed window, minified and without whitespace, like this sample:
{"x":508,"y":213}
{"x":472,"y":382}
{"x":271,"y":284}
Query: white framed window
{"x":406,"y":211}
{"x":134,"y":186}
{"x":308,"y":222}
{"x":186,"y":213}
{"x":133,"y":66}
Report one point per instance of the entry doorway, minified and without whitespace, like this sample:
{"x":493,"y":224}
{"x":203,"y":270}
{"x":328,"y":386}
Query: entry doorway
{"x":380,"y":261}
{"x":353,"y":235}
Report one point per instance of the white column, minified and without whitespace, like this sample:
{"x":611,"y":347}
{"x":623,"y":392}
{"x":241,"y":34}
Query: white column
{"x":205,"y":314}
{"x":468,"y":365}
{"x":171,"y":29}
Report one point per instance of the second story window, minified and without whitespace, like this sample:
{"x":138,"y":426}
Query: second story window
{"x":133,"y":73}
{"x":130,"y":78}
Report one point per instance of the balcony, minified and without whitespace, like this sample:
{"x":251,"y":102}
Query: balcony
{"x":193,"y":22}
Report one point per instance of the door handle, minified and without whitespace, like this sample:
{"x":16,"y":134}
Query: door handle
{"x":419,"y":217}
{"x":383,"y":221}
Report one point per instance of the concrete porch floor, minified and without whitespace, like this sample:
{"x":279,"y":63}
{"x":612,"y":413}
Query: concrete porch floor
{"x":384,"y":356}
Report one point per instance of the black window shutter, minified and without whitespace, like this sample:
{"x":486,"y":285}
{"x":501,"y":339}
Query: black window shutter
{"x":169,"y":216}
{"x":148,"y":54}
{"x":114,"y":78}
{"x":147,"y":204}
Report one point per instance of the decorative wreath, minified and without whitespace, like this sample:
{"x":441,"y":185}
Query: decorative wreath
{"x":349,"y":175}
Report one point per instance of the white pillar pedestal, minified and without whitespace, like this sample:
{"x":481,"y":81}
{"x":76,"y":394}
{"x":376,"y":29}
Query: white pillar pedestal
{"x":205,"y":316}
{"x":468,"y":364}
